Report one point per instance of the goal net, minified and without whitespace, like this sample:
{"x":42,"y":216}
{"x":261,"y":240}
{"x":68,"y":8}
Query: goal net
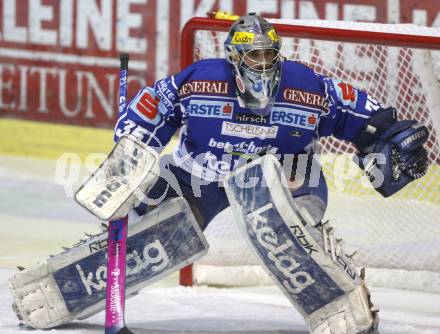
{"x":396,"y":239}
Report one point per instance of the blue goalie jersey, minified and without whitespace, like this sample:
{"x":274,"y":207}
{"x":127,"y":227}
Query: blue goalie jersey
{"x":215,"y":131}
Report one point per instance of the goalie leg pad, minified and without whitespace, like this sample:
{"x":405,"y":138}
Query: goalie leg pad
{"x":71,"y":285}
{"x":291,"y":246}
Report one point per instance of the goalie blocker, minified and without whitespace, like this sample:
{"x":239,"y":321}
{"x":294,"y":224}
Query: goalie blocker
{"x":299,"y":254}
{"x":71,"y":285}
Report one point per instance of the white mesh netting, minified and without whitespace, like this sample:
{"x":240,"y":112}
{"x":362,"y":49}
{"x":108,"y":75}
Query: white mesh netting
{"x":396,"y":238}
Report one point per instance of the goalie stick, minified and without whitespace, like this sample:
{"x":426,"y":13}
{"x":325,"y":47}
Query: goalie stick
{"x":115,"y":289}
{"x":117,"y":246}
{"x":109,"y":193}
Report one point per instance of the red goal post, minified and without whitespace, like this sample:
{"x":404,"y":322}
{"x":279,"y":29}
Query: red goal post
{"x":369,"y":34}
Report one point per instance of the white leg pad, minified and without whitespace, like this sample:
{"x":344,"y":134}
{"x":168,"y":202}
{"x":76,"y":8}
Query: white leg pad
{"x":302,"y":257}
{"x":71,"y":285}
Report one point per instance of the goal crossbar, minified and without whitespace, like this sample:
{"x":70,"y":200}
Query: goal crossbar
{"x":428,"y":41}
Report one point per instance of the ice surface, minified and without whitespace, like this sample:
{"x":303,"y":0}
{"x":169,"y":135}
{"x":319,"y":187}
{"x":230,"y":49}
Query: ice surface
{"x":38,"y":218}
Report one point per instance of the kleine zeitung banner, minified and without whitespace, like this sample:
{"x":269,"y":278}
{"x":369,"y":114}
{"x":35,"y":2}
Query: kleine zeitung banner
{"x":59,"y":59}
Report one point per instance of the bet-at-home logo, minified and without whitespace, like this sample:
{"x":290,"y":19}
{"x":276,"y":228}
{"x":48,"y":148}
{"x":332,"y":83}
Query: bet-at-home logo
{"x":242,"y":147}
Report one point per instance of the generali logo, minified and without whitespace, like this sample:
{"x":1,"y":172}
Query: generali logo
{"x":204,"y":87}
{"x":305,"y":98}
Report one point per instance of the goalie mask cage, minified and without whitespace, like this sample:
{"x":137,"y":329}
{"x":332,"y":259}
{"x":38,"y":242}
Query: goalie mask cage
{"x":396,"y":239}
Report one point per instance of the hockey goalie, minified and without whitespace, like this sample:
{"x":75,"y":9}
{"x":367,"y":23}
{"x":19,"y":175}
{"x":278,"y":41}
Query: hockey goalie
{"x":245,"y":124}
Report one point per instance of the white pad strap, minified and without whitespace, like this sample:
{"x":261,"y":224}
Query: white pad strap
{"x":346,"y":315}
{"x":38,"y":301}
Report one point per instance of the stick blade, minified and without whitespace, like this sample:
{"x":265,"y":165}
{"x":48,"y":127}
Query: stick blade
{"x":113,"y":330}
{"x":125,"y":330}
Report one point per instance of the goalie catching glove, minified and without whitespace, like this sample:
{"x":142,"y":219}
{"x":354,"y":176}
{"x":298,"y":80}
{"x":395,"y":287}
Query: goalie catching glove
{"x":391,"y":151}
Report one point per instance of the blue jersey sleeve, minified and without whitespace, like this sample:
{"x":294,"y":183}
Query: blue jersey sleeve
{"x":154,"y":114}
{"x":348,"y":109}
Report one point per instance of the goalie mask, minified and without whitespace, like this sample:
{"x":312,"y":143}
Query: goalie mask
{"x":253,"y":49}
